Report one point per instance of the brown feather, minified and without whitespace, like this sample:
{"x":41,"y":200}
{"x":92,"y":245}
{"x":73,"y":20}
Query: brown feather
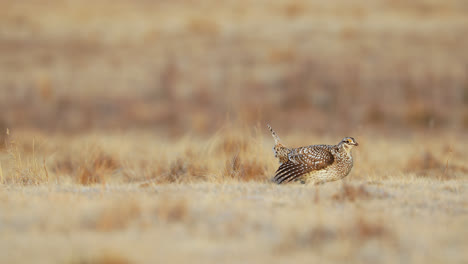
{"x":302,"y":161}
{"x":290,"y":171}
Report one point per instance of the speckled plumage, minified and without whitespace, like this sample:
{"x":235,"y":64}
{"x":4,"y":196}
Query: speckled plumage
{"x":313,"y":164}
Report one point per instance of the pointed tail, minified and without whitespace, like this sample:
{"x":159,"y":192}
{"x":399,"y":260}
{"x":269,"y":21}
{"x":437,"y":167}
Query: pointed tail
{"x":281,"y":152}
{"x":275,"y":136}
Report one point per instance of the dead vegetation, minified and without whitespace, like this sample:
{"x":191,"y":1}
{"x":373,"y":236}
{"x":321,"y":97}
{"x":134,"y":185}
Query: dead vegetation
{"x":197,"y":221}
{"x":241,"y":170}
{"x":359,"y":232}
{"x":234,"y":154}
{"x":100,"y":167}
{"x":172,"y":210}
{"x":136,"y":130}
{"x":246,"y":61}
{"x":116,"y":216}
{"x":351,"y":193}
{"x":168,"y":194}
{"x":427,"y":164}
{"x":23,"y":169}
{"x":103,"y":258}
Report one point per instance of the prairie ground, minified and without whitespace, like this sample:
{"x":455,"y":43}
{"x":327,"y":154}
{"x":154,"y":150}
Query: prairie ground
{"x":137,"y":198}
{"x":407,"y":220}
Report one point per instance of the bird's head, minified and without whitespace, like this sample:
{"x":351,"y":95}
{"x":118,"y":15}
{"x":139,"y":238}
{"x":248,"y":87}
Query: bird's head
{"x":348,"y":143}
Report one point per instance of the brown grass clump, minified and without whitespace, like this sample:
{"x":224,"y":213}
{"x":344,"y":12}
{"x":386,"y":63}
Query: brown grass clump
{"x":364,"y":229}
{"x":45,"y":88}
{"x":177,"y":169}
{"x":182,"y":169}
{"x":351,"y":193}
{"x":107,"y":257}
{"x":427,"y":164}
{"x":203,"y":26}
{"x":244,"y":170}
{"x":117,"y":216}
{"x":315,"y":237}
{"x":359,"y":230}
{"x":375,"y":114}
{"x":172,"y":210}
{"x":295,"y":9}
{"x":97,"y":168}
{"x":421,"y":115}
{"x":232,"y":143}
{"x":243,"y":159}
{"x":24,"y":169}
{"x":86,"y":166}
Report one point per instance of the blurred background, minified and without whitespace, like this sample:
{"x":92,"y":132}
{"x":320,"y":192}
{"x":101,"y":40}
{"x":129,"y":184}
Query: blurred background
{"x":149,"y":117}
{"x":185,"y":66}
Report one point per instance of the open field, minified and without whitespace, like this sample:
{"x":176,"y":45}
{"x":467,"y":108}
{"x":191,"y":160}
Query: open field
{"x":405,"y":220}
{"x":136,"y":130}
{"x":178,"y":66}
{"x":137,"y":198}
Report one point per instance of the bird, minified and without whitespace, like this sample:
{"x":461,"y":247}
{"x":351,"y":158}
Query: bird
{"x":314,"y":164}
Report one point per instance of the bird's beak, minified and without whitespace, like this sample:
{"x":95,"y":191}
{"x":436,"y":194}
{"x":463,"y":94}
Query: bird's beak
{"x":356,"y":144}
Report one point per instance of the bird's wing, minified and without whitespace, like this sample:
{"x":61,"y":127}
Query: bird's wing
{"x":302,"y":161}
{"x":317,"y":157}
{"x":290,"y":171}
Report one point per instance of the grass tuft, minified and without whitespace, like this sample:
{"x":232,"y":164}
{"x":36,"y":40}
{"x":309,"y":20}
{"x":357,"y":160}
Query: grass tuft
{"x":107,"y":257}
{"x":351,"y":193}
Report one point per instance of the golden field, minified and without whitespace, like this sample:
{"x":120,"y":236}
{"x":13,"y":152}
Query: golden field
{"x":137,"y":198}
{"x":135,"y":131}
{"x":186,"y":65}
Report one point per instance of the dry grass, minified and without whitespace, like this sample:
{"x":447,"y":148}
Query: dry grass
{"x":137,"y":130}
{"x":285,"y":60}
{"x":231,"y":222}
{"x":232,"y":154}
{"x":102,"y":258}
{"x":209,"y":200}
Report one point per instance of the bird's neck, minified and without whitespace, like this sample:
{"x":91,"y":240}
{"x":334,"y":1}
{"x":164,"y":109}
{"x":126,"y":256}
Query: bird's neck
{"x":345,"y":148}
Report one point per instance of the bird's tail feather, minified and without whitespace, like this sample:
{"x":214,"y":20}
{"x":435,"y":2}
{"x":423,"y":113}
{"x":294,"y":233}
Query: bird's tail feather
{"x":275,"y":136}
